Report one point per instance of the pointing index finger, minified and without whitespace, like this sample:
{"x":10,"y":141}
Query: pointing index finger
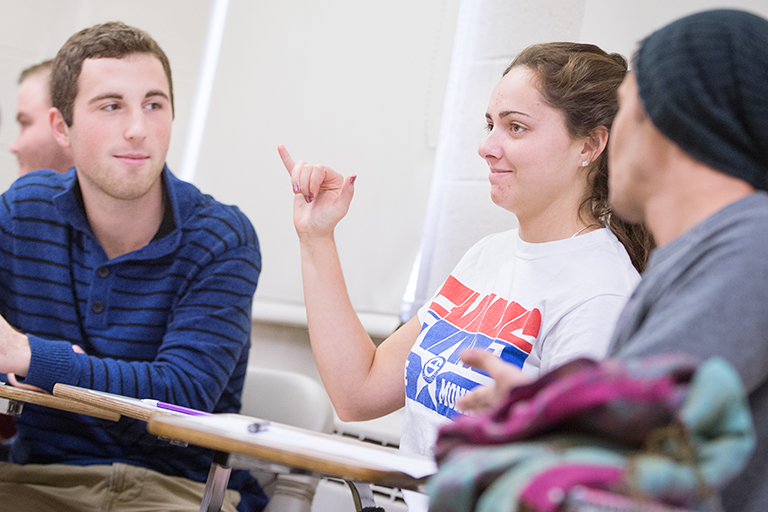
{"x":285,"y":156}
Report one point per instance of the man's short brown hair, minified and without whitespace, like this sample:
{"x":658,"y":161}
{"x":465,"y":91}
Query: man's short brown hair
{"x":36,"y":69}
{"x":107,"y":40}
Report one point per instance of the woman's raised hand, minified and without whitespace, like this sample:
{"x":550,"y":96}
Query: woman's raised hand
{"x":321,"y":196}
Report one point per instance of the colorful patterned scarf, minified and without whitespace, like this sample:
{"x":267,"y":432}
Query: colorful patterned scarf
{"x":658,"y":430}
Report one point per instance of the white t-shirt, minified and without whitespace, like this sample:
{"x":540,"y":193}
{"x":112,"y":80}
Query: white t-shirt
{"x":534,"y":305}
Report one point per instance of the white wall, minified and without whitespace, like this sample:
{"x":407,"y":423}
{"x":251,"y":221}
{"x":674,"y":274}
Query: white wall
{"x":355,"y":85}
{"x":619,"y":26}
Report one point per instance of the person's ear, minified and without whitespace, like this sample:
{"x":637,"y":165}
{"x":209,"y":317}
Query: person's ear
{"x":595,"y":143}
{"x":59,"y":127}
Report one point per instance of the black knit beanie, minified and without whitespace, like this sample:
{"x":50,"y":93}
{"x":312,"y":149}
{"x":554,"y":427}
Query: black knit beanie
{"x":703,"y":80}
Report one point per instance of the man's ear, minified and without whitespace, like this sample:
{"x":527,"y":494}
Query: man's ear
{"x":595,"y":143}
{"x":59,"y":127}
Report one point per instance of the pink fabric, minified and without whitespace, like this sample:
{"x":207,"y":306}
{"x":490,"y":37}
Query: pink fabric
{"x":545,"y":491}
{"x":582,"y":395}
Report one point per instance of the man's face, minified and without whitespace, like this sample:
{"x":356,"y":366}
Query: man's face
{"x":630,"y":154}
{"x":121,"y":127}
{"x":35,"y":147}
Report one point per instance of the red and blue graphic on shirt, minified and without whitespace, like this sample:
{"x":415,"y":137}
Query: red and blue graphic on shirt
{"x":459,"y":318}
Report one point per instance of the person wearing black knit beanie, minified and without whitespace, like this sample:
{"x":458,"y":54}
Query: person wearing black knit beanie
{"x":703,"y":82}
{"x":688,"y":155}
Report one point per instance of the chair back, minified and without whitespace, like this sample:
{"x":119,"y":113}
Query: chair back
{"x":287,"y":397}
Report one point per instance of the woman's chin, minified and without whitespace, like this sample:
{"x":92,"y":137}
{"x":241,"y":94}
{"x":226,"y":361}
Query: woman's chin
{"x":501,"y":200}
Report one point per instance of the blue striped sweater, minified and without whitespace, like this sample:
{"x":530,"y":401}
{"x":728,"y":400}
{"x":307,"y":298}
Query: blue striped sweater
{"x":170,"y":321}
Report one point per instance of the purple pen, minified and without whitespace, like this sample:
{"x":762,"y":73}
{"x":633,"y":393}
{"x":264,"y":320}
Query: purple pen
{"x":175,"y":408}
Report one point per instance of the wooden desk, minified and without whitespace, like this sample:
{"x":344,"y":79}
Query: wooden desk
{"x":303,"y":450}
{"x":16,"y":397}
{"x":115,"y":404}
{"x":125,"y":406}
{"x":279,"y":448}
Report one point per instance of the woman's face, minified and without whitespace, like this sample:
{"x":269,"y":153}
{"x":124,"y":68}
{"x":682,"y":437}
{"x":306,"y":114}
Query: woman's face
{"x":535,"y":163}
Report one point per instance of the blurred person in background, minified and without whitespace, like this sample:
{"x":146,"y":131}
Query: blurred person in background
{"x":35,"y":147}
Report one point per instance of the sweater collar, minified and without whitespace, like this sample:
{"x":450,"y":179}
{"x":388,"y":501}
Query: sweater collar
{"x":178,"y":206}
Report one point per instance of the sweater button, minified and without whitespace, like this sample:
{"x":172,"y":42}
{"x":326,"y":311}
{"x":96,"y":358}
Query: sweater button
{"x":102,"y":272}
{"x":97,"y":307}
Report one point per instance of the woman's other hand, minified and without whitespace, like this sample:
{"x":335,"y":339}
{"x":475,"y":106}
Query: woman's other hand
{"x":505,"y":376}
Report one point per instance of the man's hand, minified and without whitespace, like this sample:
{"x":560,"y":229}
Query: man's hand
{"x":505,"y":377}
{"x":322,"y":196}
{"x":15,"y":383}
{"x":77,"y":349}
{"x":15,"y":353}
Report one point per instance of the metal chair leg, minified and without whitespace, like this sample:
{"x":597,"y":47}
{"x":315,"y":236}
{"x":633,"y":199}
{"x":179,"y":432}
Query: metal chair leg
{"x":361,"y":495}
{"x":216,"y":486}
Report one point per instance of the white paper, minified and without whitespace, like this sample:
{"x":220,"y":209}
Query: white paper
{"x":412,"y":465}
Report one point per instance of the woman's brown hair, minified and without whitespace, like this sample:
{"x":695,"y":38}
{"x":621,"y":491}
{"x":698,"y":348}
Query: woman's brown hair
{"x":581,"y":81}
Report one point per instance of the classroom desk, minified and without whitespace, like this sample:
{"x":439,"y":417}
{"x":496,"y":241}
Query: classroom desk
{"x":295,"y":450}
{"x":278,"y":448}
{"x":114,"y":404}
{"x":125,"y":406}
{"x":16,"y":397}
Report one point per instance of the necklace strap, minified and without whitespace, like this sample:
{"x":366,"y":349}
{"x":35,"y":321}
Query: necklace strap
{"x":584,"y":229}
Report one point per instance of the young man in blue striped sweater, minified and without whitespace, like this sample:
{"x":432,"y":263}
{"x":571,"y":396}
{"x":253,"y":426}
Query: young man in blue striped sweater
{"x":118,"y":277}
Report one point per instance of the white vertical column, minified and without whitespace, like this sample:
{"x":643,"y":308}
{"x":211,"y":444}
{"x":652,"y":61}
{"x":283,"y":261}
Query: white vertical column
{"x":489,"y":33}
{"x":204,"y":88}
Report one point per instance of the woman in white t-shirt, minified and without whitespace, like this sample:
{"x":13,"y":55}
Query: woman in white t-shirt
{"x":537,"y":296}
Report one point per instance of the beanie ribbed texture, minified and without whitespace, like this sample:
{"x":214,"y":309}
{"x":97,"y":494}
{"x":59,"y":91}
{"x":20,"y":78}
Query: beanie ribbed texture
{"x":703,"y":81}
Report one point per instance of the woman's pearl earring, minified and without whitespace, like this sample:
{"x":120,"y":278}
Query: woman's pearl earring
{"x":585,"y":163}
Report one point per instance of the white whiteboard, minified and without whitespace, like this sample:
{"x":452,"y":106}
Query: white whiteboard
{"x":355,"y":85}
